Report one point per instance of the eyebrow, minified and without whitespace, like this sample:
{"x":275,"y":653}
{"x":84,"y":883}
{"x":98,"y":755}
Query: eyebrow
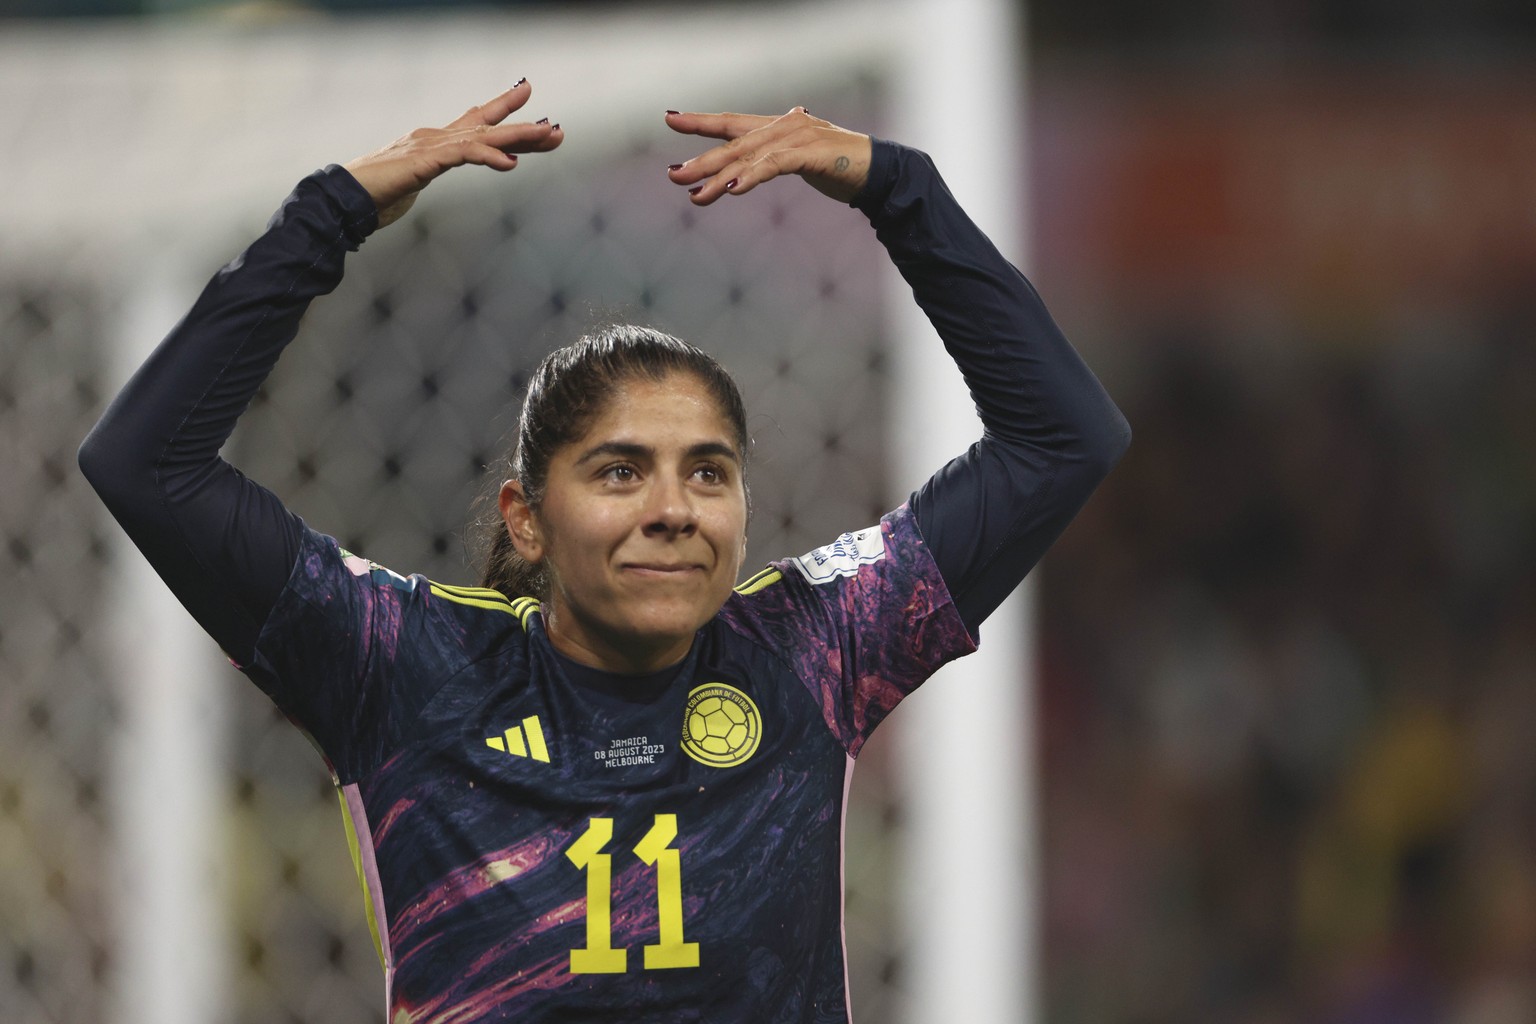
{"x":631,"y":450}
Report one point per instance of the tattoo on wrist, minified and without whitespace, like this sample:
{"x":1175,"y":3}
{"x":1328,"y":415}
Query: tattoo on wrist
{"x":841,"y":165}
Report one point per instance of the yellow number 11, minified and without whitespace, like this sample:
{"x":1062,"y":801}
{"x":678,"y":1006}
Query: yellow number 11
{"x":599,"y":956}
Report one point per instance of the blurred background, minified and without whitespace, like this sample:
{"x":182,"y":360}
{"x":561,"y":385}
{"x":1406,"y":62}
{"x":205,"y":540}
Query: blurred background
{"x":1286,"y":657}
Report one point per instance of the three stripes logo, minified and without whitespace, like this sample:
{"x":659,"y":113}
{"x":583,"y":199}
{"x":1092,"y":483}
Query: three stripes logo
{"x":526,"y":740}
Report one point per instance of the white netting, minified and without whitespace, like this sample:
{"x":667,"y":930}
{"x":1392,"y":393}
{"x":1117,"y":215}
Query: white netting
{"x":377,"y":425}
{"x":56,"y":710}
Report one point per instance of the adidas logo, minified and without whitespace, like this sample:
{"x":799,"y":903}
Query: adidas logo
{"x":526,"y":740}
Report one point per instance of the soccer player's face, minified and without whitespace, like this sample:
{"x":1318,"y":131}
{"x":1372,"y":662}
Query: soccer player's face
{"x":643,"y":526}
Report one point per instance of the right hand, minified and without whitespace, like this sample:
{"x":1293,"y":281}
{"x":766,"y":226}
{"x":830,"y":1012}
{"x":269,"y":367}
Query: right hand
{"x":396,"y":174}
{"x":759,"y":148}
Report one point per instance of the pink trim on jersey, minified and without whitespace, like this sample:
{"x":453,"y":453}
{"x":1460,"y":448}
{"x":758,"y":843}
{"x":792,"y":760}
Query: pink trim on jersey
{"x":370,"y":868}
{"x":842,"y":883}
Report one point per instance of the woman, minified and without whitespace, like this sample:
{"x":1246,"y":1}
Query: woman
{"x":607,"y":785}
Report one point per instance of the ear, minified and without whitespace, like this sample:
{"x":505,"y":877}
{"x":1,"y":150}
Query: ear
{"x":522,"y":524}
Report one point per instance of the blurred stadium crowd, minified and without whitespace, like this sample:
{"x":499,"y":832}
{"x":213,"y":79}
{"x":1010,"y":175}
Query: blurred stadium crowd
{"x":1288,"y":696}
{"x":1290,"y":647}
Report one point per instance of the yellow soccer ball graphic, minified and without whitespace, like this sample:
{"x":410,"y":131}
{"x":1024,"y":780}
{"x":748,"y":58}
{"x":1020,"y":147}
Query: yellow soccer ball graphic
{"x":721,"y":725}
{"x":717,"y":726}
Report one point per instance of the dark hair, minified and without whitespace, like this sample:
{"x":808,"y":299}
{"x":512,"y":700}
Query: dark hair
{"x":569,"y":389}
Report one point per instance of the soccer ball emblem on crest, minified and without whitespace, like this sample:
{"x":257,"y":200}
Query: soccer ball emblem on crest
{"x":721,"y":725}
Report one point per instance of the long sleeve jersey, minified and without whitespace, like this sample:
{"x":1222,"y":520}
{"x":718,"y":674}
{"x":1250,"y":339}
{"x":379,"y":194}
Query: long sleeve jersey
{"x":539,"y":840}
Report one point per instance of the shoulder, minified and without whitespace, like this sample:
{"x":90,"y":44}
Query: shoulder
{"x":875,"y":574}
{"x":355,"y":592}
{"x":861,"y":621}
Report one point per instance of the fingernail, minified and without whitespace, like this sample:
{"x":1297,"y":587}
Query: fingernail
{"x":696,"y":190}
{"x":674,"y":167}
{"x":730,"y":184}
{"x":520,"y":81}
{"x":542,"y":120}
{"x":555,"y":127}
{"x":673,"y":112}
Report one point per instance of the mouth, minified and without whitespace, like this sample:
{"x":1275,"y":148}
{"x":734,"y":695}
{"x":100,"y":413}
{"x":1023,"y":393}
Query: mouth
{"x":660,"y":570}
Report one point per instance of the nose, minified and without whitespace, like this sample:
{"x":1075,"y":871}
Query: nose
{"x":669,"y":510}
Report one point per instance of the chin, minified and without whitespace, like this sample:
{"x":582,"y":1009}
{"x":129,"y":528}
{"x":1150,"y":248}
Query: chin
{"x":663,"y":627}
{"x":661,"y":621}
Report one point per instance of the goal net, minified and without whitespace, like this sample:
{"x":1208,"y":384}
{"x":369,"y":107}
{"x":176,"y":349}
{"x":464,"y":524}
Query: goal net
{"x":171,"y":845}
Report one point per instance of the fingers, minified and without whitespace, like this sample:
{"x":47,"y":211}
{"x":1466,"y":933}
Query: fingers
{"x":756,"y":149}
{"x":478,"y":135}
{"x":496,"y":110}
{"x":430,"y":152}
{"x":741,"y":171}
{"x":395,"y":175}
{"x":488,"y":156}
{"x":716,"y":126}
{"x":748,"y":138}
{"x":484,"y":124}
{"x":496,"y":146}
{"x":519,"y":137}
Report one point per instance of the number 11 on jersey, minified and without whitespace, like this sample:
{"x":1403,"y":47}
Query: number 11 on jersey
{"x":655,"y":848}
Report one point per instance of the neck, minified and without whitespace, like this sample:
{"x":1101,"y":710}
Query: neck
{"x":630,"y":657}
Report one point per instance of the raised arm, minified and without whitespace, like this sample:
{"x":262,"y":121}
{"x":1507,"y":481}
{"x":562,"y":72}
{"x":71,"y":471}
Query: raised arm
{"x":222,"y":543}
{"x":1050,"y":432}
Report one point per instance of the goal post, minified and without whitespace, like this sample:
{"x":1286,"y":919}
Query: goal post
{"x":966,"y":738}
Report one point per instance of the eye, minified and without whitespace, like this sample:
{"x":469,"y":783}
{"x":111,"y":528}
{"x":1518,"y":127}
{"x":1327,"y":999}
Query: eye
{"x":710,"y":474}
{"x":619,"y":473}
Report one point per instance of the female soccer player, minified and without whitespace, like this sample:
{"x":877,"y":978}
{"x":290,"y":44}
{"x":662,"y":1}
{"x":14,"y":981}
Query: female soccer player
{"x":609,"y":784}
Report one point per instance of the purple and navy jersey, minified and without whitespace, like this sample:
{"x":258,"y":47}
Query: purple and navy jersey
{"x":537,"y":847}
{"x":540,"y":842}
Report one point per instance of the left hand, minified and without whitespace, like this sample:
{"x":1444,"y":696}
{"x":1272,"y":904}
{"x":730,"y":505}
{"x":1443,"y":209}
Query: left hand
{"x":759,"y":148}
{"x":395,"y":175}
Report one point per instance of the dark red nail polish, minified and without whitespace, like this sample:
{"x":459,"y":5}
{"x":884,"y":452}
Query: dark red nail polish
{"x":542,"y":120}
{"x":520,"y":81}
{"x":731,"y":184}
{"x":674,"y":111}
{"x":696,"y":190}
{"x":555,"y":127}
{"x":674,"y":167}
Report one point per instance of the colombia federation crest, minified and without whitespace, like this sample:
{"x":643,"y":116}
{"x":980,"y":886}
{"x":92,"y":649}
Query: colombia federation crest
{"x":721,"y":725}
